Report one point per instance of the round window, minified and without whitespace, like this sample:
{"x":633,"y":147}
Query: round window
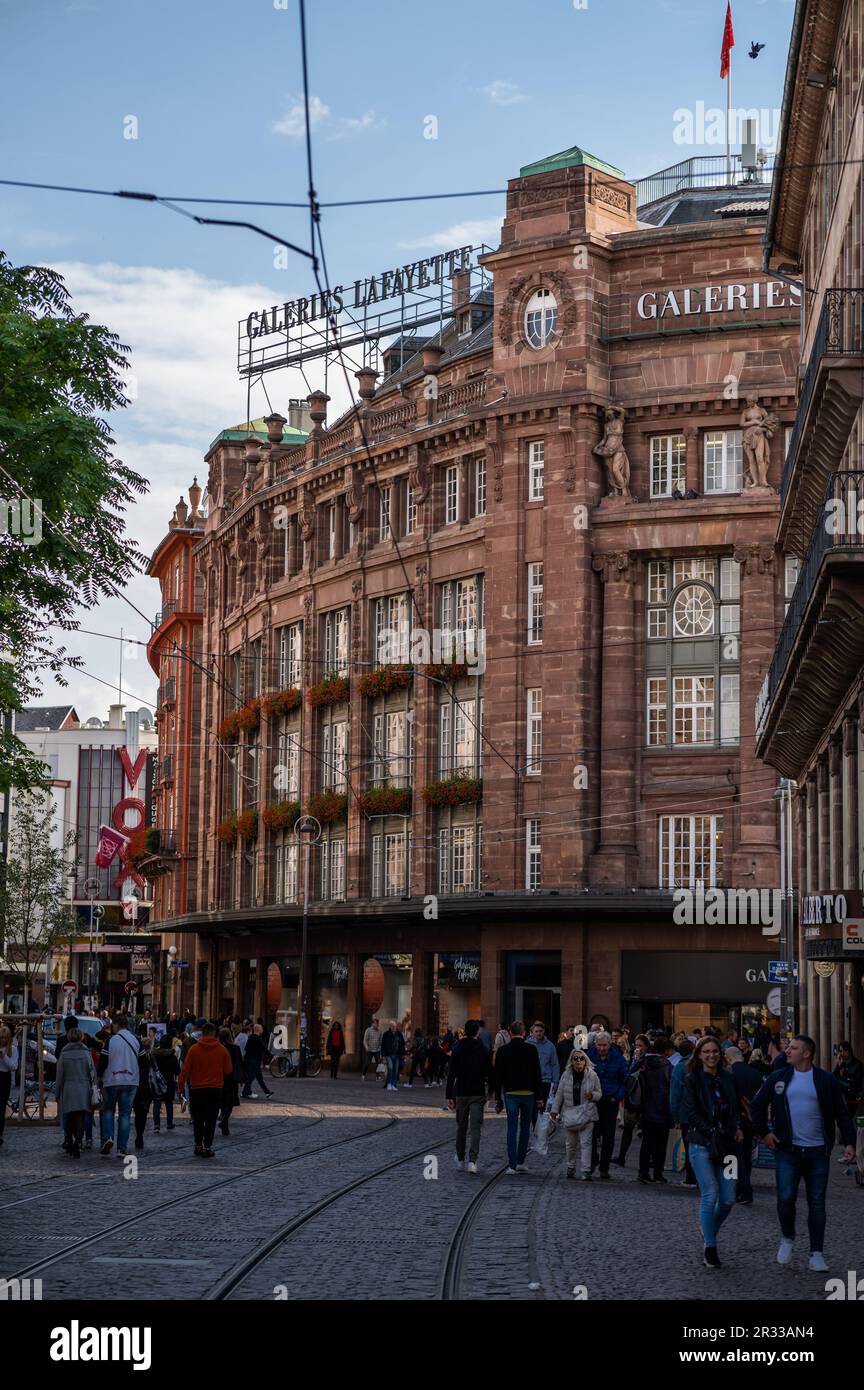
{"x":541,"y":318}
{"x":694,"y":612}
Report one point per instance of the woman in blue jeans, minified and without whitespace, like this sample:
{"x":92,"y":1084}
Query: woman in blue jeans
{"x":709,"y":1109}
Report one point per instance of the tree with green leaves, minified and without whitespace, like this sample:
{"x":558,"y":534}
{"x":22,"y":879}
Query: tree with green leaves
{"x":63,"y":494}
{"x":35,"y":915}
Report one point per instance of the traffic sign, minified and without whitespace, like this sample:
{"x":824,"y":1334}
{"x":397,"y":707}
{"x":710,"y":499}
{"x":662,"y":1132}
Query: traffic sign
{"x":779,"y":972}
{"x":131,"y":987}
{"x":69,"y":986}
{"x":98,"y":912}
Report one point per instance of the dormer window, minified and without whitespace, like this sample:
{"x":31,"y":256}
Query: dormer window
{"x":541,"y":318}
{"x":465,"y":324}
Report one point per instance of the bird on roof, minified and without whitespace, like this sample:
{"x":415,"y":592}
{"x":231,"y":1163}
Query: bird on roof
{"x":755,"y":50}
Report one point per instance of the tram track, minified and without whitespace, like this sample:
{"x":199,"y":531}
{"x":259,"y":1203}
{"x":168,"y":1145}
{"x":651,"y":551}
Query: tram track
{"x":106,"y":1232}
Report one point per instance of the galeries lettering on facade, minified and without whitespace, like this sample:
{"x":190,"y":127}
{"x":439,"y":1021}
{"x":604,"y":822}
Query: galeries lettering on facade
{"x":700,"y":308}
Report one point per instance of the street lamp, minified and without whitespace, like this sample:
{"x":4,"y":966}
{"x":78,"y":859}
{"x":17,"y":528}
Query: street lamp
{"x":307,"y":829}
{"x":91,"y":888}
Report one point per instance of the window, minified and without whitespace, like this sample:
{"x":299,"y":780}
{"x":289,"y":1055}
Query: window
{"x":532,"y":856}
{"x":410,"y":509}
{"x":691,"y":852}
{"x":723,"y":461}
{"x":668,"y":454}
{"x":384,"y":513}
{"x":285,"y":886}
{"x":290,"y":655}
{"x":392,"y":740}
{"x":286,"y":774}
{"x":334,"y":756}
{"x":480,"y":485}
{"x":331,"y":531}
{"x":465,"y":324}
{"x":333,"y":869}
{"x":336,"y":643}
{"x":534,"y":735}
{"x":459,"y":858}
{"x":451,"y":494}
{"x":791,"y":570}
{"x":536,"y":450}
{"x":392,"y":627}
{"x":460,"y":619}
{"x":535,"y":604}
{"x":693,"y":621}
{"x":460,"y":729}
{"x":541,"y":318}
{"x":391,"y":856}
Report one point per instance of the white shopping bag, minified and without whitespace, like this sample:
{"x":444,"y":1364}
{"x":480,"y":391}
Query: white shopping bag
{"x":540,"y":1137}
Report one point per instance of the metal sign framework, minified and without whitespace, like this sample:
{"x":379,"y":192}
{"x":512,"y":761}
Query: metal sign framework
{"x":362,"y":328}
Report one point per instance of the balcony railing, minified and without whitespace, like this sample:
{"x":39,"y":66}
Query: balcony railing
{"x":702,"y":171}
{"x":840,"y":527}
{"x":839,"y":333}
{"x":168,"y":691}
{"x":166,"y":768}
{"x":165,"y":612}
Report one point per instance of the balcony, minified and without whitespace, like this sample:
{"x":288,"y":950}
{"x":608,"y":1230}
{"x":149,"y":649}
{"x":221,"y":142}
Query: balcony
{"x":167,"y":693}
{"x":166,"y":769}
{"x":164,"y":613}
{"x":821,"y":645}
{"x":829,"y":399}
{"x":702,"y":171}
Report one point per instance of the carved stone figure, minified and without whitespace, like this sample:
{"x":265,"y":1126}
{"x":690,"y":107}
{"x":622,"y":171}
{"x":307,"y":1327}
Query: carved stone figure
{"x":758,"y":428}
{"x":611,"y":450}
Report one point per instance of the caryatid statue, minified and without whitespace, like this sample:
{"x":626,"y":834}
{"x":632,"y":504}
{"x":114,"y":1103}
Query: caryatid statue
{"x":611,"y":450}
{"x":758,"y":427}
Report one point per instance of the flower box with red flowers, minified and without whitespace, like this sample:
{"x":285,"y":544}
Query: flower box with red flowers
{"x":249,"y":717}
{"x":386,"y":801}
{"x":247,"y":825}
{"x":386,"y":680}
{"x":454,"y":791}
{"x":447,"y":670}
{"x":328,"y":807}
{"x":230,"y":726}
{"x":332,"y":690}
{"x":227,"y":831}
{"x":282,"y":703}
{"x":281,"y":815}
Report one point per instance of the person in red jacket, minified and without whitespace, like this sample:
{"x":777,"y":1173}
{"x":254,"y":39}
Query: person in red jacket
{"x":207,"y":1065}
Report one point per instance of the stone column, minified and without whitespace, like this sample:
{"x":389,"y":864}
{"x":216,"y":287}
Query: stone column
{"x":849,"y":803}
{"x":615,"y":862}
{"x":835,"y":816}
{"x":693,"y":472}
{"x":799,"y":880}
{"x":755,"y":863}
{"x":823,"y":885}
{"x":464,"y":485}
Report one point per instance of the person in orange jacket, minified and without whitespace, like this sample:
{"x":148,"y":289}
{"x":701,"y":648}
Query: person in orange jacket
{"x":206,"y":1067}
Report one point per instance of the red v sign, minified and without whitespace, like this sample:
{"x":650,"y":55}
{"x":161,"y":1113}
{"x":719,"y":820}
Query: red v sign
{"x":133,"y":773}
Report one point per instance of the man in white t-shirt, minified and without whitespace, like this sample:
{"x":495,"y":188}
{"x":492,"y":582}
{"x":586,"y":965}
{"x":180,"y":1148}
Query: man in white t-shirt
{"x":806,"y":1103}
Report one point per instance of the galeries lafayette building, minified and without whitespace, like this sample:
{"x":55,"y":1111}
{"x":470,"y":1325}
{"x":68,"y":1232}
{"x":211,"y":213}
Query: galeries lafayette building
{"x":568,"y":467}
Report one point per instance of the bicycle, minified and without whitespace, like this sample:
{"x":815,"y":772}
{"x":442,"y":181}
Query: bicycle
{"x":288,"y":1063}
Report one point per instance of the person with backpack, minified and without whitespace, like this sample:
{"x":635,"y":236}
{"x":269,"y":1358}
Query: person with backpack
{"x":575,"y":1100}
{"x":119,"y":1085}
{"x":144,"y":1094}
{"x":163,"y":1081}
{"x":206,"y":1067}
{"x":335,"y":1047}
{"x":632,"y":1089}
{"x":656,"y":1075}
{"x":231,"y":1084}
{"x":75,"y":1087}
{"x":710,"y":1110}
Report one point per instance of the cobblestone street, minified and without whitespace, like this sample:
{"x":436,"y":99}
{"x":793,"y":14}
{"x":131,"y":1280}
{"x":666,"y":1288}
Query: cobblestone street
{"x":319,"y":1193}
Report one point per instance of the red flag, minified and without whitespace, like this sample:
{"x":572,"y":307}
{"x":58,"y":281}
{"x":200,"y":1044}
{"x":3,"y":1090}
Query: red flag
{"x":110,"y":841}
{"x":728,"y":41}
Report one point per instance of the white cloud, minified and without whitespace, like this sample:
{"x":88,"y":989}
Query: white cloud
{"x":459,"y":234}
{"x":293,"y":123}
{"x":502,"y":93}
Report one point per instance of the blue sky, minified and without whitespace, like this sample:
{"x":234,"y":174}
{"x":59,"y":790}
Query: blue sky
{"x":215,"y":87}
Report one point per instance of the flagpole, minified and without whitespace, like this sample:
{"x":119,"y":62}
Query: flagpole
{"x":729,"y":122}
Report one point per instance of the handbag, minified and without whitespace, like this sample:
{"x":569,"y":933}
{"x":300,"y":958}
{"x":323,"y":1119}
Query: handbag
{"x":381,"y":1069}
{"x":158,"y":1084}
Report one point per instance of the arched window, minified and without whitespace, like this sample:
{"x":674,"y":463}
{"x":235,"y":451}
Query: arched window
{"x":541,"y":318}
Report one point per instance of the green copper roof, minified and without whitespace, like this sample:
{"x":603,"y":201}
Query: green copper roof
{"x":565,"y":160}
{"x":237,"y":433}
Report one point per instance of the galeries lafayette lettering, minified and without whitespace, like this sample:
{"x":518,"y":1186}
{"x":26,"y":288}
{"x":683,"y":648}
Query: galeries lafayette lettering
{"x":718,"y":299}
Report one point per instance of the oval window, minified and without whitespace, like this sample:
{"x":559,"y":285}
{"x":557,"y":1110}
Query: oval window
{"x":541,"y":318}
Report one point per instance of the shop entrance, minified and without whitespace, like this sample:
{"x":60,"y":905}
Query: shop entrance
{"x":533,"y":989}
{"x":687,"y":990}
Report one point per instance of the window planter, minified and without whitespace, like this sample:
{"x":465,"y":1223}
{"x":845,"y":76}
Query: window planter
{"x":332,"y":690}
{"x":386,"y":801}
{"x":142,"y":844}
{"x":230,"y":726}
{"x":283,"y":702}
{"x":447,"y":670}
{"x":247,"y":825}
{"x":249,"y":717}
{"x":454,"y":791}
{"x":388,"y":679}
{"x":328,"y":807}
{"x":281,"y":815}
{"x":227,"y":831}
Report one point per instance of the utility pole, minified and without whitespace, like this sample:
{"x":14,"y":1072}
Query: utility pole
{"x":307,"y":829}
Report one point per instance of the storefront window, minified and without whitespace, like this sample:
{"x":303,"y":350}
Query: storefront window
{"x":455,"y":989}
{"x":330,"y":997}
{"x":387,"y":987}
{"x":227,"y":986}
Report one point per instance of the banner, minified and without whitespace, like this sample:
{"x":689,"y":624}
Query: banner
{"x":111,"y":842}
